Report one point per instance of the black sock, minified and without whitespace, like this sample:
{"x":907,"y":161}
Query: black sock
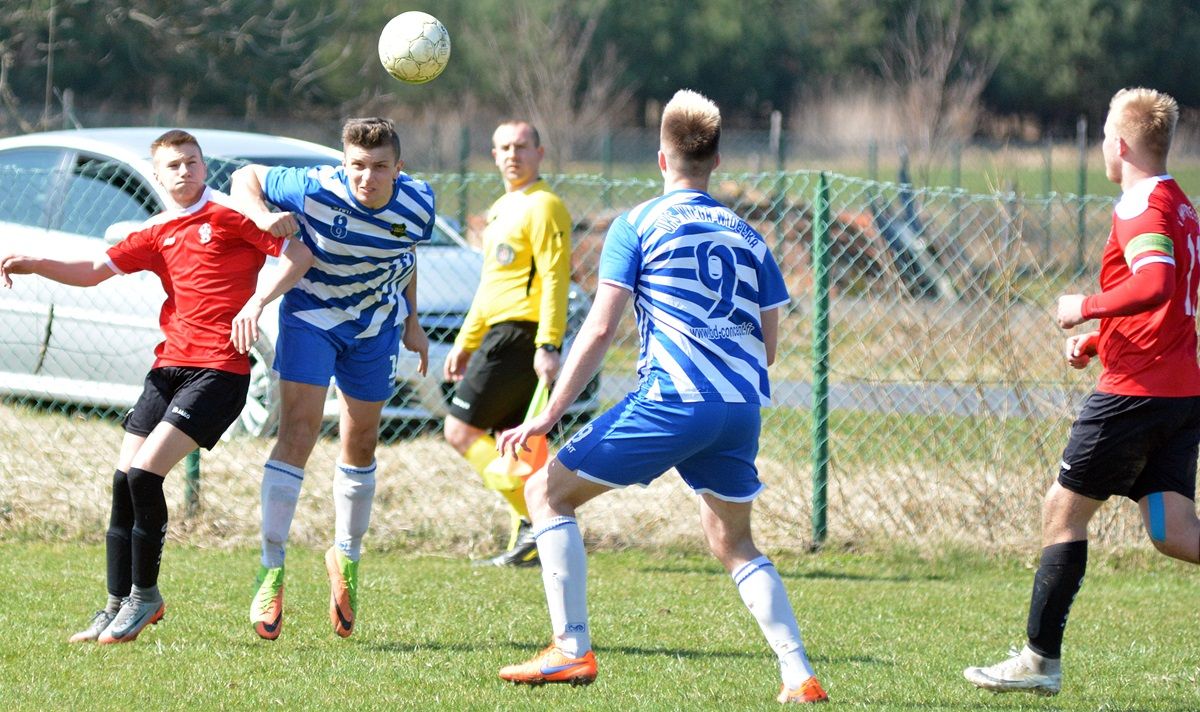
{"x":117,"y":539}
{"x":149,"y":525}
{"x":1058,"y":578}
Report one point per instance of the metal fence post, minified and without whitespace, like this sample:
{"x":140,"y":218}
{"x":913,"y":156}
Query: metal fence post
{"x":464,"y":156}
{"x":191,"y":482}
{"x":1081,"y":224}
{"x":820,"y":355}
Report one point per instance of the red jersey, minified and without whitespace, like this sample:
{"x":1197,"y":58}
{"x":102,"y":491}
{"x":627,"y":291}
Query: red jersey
{"x":1152,"y":353}
{"x":208,"y":257}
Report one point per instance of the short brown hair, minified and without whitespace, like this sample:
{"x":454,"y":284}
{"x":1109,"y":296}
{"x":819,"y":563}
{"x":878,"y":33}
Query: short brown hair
{"x":174,"y":137}
{"x":371,"y":132}
{"x":691,"y":132}
{"x":537,"y":138}
{"x":1145,"y":117}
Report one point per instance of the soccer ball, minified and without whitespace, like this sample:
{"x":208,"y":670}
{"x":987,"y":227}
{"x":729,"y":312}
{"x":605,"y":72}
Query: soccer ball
{"x":414,"y":47}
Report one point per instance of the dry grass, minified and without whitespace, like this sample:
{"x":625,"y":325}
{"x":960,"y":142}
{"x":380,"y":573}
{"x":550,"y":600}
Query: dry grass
{"x":55,"y":475}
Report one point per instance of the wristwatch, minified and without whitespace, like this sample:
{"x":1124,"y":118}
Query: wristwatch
{"x":551,"y":348}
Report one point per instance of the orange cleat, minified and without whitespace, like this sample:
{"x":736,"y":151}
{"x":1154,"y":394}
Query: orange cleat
{"x":343,"y":591}
{"x":552,"y":665}
{"x":809,"y":692}
{"x":266,"y":610}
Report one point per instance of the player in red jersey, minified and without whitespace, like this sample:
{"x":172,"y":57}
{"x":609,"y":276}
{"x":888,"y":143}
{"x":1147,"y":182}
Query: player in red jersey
{"x":208,"y":257}
{"x":1136,"y":435}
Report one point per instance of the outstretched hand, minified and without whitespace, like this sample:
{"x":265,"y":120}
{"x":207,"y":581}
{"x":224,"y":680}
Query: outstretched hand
{"x":509,"y":441}
{"x":10,"y":265}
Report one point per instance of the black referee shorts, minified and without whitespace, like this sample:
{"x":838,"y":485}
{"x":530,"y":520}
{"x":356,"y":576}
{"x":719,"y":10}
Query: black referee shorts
{"x":495,"y":391}
{"x":1132,"y":446}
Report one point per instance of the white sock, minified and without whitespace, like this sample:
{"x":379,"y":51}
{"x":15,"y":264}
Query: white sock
{"x":280,"y":490}
{"x":763,"y":593}
{"x":353,"y":493}
{"x":564,"y":574}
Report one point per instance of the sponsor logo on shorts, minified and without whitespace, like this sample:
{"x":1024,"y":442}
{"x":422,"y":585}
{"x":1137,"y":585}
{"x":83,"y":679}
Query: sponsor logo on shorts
{"x":460,"y":402}
{"x":1063,"y":464}
{"x":181,"y":412}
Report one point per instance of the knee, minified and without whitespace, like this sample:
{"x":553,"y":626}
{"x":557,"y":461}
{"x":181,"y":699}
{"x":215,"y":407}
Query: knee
{"x":537,"y":497}
{"x":1188,"y":550}
{"x":456,"y":434}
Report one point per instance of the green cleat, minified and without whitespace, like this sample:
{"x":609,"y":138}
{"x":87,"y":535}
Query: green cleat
{"x":266,"y":610}
{"x":343,"y":591}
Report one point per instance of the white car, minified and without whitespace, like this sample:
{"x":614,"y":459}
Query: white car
{"x":62,"y":191}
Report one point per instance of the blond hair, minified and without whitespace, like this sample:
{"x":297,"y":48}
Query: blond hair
{"x":1146,"y":118}
{"x":691,"y":133}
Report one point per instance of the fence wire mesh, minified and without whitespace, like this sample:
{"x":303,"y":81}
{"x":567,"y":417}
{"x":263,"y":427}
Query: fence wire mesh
{"x":949,"y":401}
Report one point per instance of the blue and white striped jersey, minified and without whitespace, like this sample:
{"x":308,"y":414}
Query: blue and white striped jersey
{"x":700,"y":276}
{"x":364,"y":258}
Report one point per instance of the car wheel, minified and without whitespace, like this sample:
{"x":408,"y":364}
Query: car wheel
{"x":260,"y":416}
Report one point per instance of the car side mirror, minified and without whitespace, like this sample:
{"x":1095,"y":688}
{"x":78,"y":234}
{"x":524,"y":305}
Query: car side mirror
{"x":120,"y":230}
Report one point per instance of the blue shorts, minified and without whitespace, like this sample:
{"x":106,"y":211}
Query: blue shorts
{"x":363,"y":369}
{"x":711,"y":445}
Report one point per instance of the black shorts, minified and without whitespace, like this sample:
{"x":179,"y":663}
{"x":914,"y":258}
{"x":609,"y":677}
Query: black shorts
{"x":495,"y":391}
{"x":202,"y":402}
{"x":1132,"y":446}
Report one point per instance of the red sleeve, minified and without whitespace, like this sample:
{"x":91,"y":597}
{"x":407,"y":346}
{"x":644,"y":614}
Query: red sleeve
{"x":1151,"y":285}
{"x":135,"y":253}
{"x":244,"y":228}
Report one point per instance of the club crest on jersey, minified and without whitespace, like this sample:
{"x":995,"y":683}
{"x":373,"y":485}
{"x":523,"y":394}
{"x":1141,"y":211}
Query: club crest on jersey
{"x":505,"y":254}
{"x":205,"y":234}
{"x":399,"y":230}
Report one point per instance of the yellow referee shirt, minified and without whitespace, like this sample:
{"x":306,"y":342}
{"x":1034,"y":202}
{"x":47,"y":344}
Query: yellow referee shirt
{"x":526,"y":267}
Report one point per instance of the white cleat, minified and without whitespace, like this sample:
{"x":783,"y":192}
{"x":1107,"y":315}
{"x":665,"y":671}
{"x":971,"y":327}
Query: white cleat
{"x":1025,"y":671}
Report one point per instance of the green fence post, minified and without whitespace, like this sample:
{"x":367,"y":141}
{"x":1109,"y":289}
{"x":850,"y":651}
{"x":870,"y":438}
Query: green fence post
{"x":464,"y":159}
{"x":606,"y":157}
{"x":820,"y":355}
{"x":191,"y":482}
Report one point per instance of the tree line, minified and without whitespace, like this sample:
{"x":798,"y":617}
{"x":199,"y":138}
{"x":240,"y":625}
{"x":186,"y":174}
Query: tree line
{"x":599,"y":60}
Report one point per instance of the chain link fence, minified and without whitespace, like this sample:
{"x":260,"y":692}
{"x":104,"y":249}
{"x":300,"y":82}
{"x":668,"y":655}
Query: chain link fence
{"x":919,"y":381}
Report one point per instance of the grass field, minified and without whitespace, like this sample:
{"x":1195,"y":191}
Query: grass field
{"x":886,"y":632}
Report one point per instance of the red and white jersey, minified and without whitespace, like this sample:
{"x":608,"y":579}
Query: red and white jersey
{"x":207,"y":257}
{"x":1152,"y":353}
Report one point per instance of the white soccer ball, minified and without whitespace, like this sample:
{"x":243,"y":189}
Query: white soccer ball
{"x":414,"y":47}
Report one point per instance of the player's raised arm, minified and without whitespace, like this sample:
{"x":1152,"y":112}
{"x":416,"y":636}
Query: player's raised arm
{"x":77,"y":273}
{"x":246,"y":188}
{"x":295,"y":261}
{"x":587,"y":353}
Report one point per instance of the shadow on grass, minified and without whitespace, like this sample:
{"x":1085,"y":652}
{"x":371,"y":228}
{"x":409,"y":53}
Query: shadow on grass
{"x":812,"y":575}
